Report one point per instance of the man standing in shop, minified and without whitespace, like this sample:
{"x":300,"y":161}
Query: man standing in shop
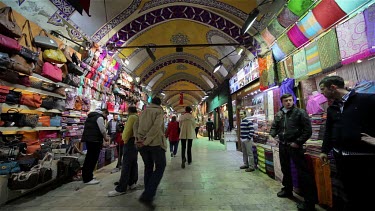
{"x":93,"y":134}
{"x":112,"y":128}
{"x":149,"y":132}
{"x":247,"y":134}
{"x":209,"y":128}
{"x":293,"y":127}
{"x":349,"y":127}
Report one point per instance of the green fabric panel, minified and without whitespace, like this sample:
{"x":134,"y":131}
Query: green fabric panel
{"x":299,"y":7}
{"x":329,"y":53}
{"x":281,"y":72}
{"x":262,"y":43}
{"x":271,"y":70}
{"x":289,"y":67}
{"x":275,"y":28}
{"x":300,"y":65}
{"x":285,"y":44}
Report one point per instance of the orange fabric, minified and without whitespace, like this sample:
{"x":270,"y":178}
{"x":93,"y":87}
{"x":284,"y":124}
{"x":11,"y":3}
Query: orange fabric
{"x":323,"y":181}
{"x":45,"y":120}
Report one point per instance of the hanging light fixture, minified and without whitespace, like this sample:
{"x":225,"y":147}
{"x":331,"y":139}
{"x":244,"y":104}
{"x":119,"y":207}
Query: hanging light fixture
{"x":137,"y":79}
{"x":218,"y":66}
{"x":250,"y":21}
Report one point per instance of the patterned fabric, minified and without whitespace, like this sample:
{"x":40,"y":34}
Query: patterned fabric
{"x":276,"y":100}
{"x":370,"y":27}
{"x":263,"y":74}
{"x":277,"y":52}
{"x":299,"y":7}
{"x":285,"y":44}
{"x":281,"y":71}
{"x":262,"y":44}
{"x":353,"y":40}
{"x":287,"y":18}
{"x":309,"y":26}
{"x":296,"y":36}
{"x":267,"y":36}
{"x":349,"y":5}
{"x":271,"y":70}
{"x":275,"y":28}
{"x":289,"y":67}
{"x":327,"y":12}
{"x":312,"y":59}
{"x":300,"y":66}
{"x":329,"y":53}
{"x":270,"y":109}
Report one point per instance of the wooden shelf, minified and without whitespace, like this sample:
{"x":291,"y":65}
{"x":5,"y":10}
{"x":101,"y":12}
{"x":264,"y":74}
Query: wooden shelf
{"x":60,"y":84}
{"x":30,"y":89}
{"x":23,"y":107}
{"x":10,"y":129}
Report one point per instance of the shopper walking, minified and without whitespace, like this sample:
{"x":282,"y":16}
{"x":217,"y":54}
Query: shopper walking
{"x":209,"y":128}
{"x":293,"y":127}
{"x":172,"y":134}
{"x":349,"y":130}
{"x":129,"y":170}
{"x":247,"y":134}
{"x":93,"y":135}
{"x":196,"y":128}
{"x":187,"y":134}
{"x":149,"y":132}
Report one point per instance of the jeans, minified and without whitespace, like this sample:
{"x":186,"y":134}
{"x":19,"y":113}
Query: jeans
{"x":305,"y":178}
{"x":173,"y":146}
{"x":153,"y":157}
{"x":129,"y":170}
{"x":247,"y":152}
{"x":92,"y":156}
{"x":210,"y":137}
{"x":183,"y":143}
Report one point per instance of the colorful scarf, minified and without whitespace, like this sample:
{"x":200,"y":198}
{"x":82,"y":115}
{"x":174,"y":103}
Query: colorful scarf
{"x":329,"y":53}
{"x":299,"y":7}
{"x":267,"y":36}
{"x":287,"y":18}
{"x":263,"y":76}
{"x":312,"y":58}
{"x":285,"y":44}
{"x":262,"y":44}
{"x":350,"y":5}
{"x":281,"y":72}
{"x":309,"y":26}
{"x":327,"y":12}
{"x":353,"y":40}
{"x":277,"y":52}
{"x":299,"y":63}
{"x":370,"y":27}
{"x":296,"y":36}
{"x":275,"y":28}
{"x":271,"y":70}
{"x":289,"y":67}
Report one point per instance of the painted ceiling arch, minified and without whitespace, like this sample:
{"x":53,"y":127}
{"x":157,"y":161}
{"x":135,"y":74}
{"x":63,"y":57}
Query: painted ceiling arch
{"x":165,"y":84}
{"x":186,"y":103}
{"x":181,"y":76}
{"x":183,"y":86}
{"x":176,"y":98}
{"x":170,"y":94}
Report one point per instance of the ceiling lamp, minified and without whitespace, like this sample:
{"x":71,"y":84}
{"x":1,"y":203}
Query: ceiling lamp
{"x":137,"y":79}
{"x":130,"y":79}
{"x":250,"y":21}
{"x":218,"y":66}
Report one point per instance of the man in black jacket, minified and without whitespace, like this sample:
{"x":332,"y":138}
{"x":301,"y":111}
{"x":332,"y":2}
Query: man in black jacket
{"x":209,"y":127}
{"x":293,"y":127}
{"x":93,"y":134}
{"x":350,"y":122}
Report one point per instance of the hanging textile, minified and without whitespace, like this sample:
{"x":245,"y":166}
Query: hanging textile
{"x":289,"y":67}
{"x":312,"y":59}
{"x":327,"y":12}
{"x":323,"y":181}
{"x":263,"y":74}
{"x":329,"y":53}
{"x":267,"y":36}
{"x":287,"y":18}
{"x":370,"y":27}
{"x":299,"y":7}
{"x":309,"y":26}
{"x":285,"y":44}
{"x":281,"y":72}
{"x":275,"y":28}
{"x":314,"y":103}
{"x":276,"y":100}
{"x":350,"y":5}
{"x":299,"y":63}
{"x":296,"y":36}
{"x":271,"y":70}
{"x":352,"y":39}
{"x":270,"y":108}
{"x":277,"y":52}
{"x":287,"y":86}
{"x":262,"y":45}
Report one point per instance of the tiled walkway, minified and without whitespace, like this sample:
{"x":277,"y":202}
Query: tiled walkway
{"x":213,"y":182}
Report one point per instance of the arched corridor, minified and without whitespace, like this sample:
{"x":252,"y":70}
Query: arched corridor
{"x":213,"y":182}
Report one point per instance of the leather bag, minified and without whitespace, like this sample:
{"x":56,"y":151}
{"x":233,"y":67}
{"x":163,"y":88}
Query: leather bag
{"x":35,"y":83}
{"x":9,"y":75}
{"x":48,"y":103}
{"x":55,"y":121}
{"x":45,"y":42}
{"x":12,"y":117}
{"x":78,"y":103}
{"x":45,"y":121}
{"x":19,"y":64}
{"x":24,"y":80}
{"x":48,"y":86}
{"x":60,"y":104}
{"x":54,"y":56}
{"x":75,"y":69}
{"x":72,"y":80}
{"x":60,"y":91}
{"x":9,"y":167}
{"x":33,"y":100}
{"x":28,"y":52}
{"x":8,"y":24}
{"x":45,"y":170}
{"x":29,"y":120}
{"x":4,"y":59}
{"x":52,"y":72}
{"x":9,"y":45}
{"x":24,"y":180}
{"x":13,"y":97}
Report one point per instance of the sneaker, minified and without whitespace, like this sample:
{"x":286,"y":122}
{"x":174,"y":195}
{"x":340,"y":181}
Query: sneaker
{"x":115,"y":170}
{"x":244,"y":167}
{"x":93,"y":182}
{"x":306,"y":206}
{"x":115,"y":193}
{"x":249,"y":170}
{"x":284,"y":194}
{"x":133,"y":187}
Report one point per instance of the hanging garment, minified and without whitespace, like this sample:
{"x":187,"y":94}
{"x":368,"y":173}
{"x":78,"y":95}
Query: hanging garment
{"x":275,"y":28}
{"x":277,"y":52}
{"x":286,"y":87}
{"x":300,"y":66}
{"x":281,"y":72}
{"x":370,"y":27}
{"x":263,"y":74}
{"x":267,"y":36}
{"x":289,"y":67}
{"x":271,"y":80}
{"x":312,"y":59}
{"x":314,"y":104}
{"x":261,"y":44}
{"x":350,"y":5}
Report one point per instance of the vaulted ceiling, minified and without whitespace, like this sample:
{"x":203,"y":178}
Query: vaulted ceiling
{"x":163,"y":22}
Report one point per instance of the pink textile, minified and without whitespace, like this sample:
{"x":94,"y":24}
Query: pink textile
{"x":352,"y":39}
{"x":297,"y":37}
{"x":267,"y":36}
{"x":314,"y":102}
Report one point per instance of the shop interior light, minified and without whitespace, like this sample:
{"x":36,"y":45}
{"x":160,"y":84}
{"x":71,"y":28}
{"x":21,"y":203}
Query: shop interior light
{"x":130,"y":79}
{"x":250,"y":21}
{"x":218,"y":66}
{"x":240,"y":51}
{"x":162,"y":93}
{"x":359,"y":61}
{"x":137,"y":79}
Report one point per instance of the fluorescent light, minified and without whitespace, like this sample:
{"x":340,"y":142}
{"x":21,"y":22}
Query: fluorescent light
{"x":130,"y":79}
{"x":250,"y":21}
{"x":240,"y":52}
{"x":137,"y":79}
{"x":162,"y":93}
{"x":359,"y":61}
{"x":217,"y":66}
{"x":269,"y":89}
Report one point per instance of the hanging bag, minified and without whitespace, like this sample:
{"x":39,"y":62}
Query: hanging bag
{"x":19,"y":64}
{"x":48,"y":103}
{"x":8,"y":24}
{"x":29,"y":54}
{"x":24,"y":180}
{"x":45,"y":42}
{"x":54,"y":56}
{"x":52,"y":72}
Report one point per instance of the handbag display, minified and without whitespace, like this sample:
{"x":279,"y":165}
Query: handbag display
{"x":78,"y":103}
{"x":29,"y":120}
{"x":13,"y":97}
{"x":27,"y":162}
{"x":4,"y":60}
{"x":39,"y":66}
{"x":19,"y":64}
{"x":47,"y":134}
{"x":60,"y":104}
{"x":55,"y":121}
{"x":24,"y":80}
{"x":45,"y":121}
{"x":48,"y":86}
{"x":8,"y":24}
{"x":33,"y":100}
{"x":35,"y":83}
{"x":24,"y":180}
{"x":48,"y":103}
{"x":9,"y":45}
{"x":45,"y":42}
{"x":75,"y":69}
{"x":60,"y":91}
{"x":72,"y":80}
{"x":52,"y":72}
{"x":45,"y":170}
{"x":9,"y":167}
{"x":54,"y":56}
{"x":9,"y":76}
{"x":29,"y":54}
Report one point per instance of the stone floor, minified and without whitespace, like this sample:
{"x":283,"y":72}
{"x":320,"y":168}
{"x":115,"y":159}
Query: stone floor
{"x":213,"y":182}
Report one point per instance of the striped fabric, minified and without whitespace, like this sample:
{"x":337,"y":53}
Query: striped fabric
{"x":327,"y":12}
{"x":352,"y":39}
{"x":312,"y":59}
{"x":296,"y":36}
{"x":285,"y":44}
{"x":267,"y":36}
{"x":370,"y":27}
{"x":247,"y":129}
{"x":309,"y":26}
{"x":286,"y":18}
{"x":277,"y":52}
{"x":299,"y":7}
{"x":275,"y":28}
{"x":300,"y":65}
{"x":349,"y":5}
{"x":329,"y":52}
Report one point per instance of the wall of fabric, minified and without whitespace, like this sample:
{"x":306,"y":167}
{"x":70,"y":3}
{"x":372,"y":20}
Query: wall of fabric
{"x":312,"y":59}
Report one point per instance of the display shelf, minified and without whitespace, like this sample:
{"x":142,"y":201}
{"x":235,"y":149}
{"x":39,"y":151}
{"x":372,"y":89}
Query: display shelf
{"x":23,"y":107}
{"x":60,"y":84}
{"x":30,"y":89}
{"x":10,"y":129}
{"x":72,"y":116}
